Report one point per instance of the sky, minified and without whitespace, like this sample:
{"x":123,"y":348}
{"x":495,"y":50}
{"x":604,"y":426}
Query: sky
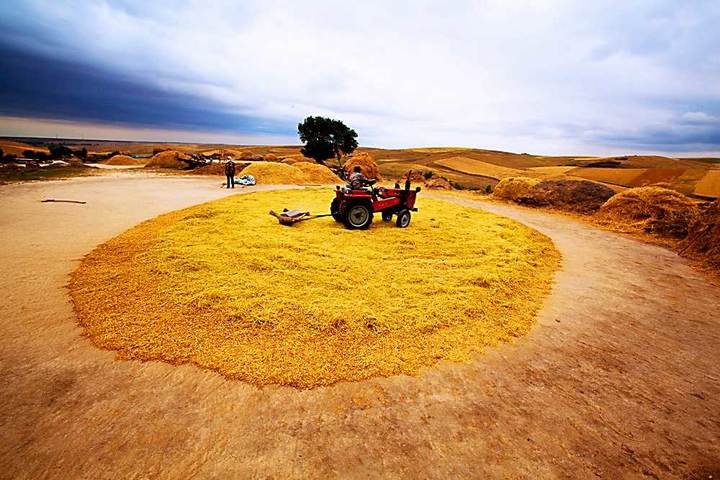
{"x":542,"y":76}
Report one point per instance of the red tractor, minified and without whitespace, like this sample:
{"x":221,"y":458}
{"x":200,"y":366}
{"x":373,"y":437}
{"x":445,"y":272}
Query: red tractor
{"x":355,"y":208}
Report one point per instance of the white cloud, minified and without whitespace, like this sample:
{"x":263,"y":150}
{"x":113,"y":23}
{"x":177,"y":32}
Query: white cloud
{"x":522,"y":75}
{"x":699,"y":117}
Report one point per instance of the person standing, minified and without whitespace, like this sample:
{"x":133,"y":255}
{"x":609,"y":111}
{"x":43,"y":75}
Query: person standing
{"x":230,"y":173}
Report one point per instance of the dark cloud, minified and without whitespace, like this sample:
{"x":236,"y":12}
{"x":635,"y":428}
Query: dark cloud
{"x":693,"y":131}
{"x":33,"y":85}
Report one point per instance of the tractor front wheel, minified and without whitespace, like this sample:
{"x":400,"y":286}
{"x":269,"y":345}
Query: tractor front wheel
{"x":403,"y":218}
{"x":358,"y":216}
{"x":335,"y":210}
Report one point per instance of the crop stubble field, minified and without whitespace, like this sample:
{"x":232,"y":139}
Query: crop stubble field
{"x":709,"y":185}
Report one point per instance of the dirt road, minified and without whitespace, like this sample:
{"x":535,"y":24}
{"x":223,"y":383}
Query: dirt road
{"x":619,"y":379}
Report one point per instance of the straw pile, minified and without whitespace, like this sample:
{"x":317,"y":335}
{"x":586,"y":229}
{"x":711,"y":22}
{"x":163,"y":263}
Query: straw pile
{"x":125,"y":160}
{"x":512,"y":188}
{"x":217,"y":169}
{"x":270,"y":157}
{"x":703,"y":240}
{"x":223,"y":286}
{"x":438,"y":183}
{"x":367,"y":164}
{"x":169,"y":159}
{"x":654,"y":210}
{"x":579,"y":196}
{"x":276,"y":173}
{"x":315,"y":173}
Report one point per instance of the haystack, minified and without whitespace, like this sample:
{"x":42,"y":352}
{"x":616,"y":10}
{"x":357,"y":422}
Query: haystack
{"x":367,"y":164}
{"x":438,"y":183}
{"x":276,"y":173}
{"x":315,"y":173}
{"x":169,"y":159}
{"x":125,"y":160}
{"x":270,"y":157}
{"x":703,"y":240}
{"x":579,"y":196}
{"x":512,"y":188}
{"x":659,"y":211}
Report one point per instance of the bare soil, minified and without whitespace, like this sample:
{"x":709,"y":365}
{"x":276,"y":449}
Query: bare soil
{"x":619,"y":379}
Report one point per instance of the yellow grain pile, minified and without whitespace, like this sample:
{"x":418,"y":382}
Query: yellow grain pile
{"x":276,"y":173}
{"x":703,"y":240}
{"x":315,"y":173}
{"x":168,"y":159}
{"x":223,"y":286}
{"x":654,"y":210}
{"x":125,"y":160}
{"x":367,"y":164}
{"x":270,"y":157}
{"x":512,"y":188}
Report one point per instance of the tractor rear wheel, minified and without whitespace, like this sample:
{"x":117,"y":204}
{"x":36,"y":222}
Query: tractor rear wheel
{"x":358,"y":216}
{"x":387,"y":216}
{"x":403,"y":218}
{"x":335,"y":210}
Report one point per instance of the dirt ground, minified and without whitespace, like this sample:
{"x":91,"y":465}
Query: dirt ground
{"x":618,"y":380}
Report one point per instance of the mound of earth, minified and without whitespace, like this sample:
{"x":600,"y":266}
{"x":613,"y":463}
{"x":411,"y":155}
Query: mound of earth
{"x":512,"y":188}
{"x":275,"y":173}
{"x":169,"y":159}
{"x":438,"y":183}
{"x":367,"y":165}
{"x":654,"y":210}
{"x":579,"y":196}
{"x":315,"y":173}
{"x":703,"y":240}
{"x":223,"y":286}
{"x":125,"y":160}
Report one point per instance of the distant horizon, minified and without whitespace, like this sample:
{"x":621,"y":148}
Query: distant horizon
{"x":299,"y":145}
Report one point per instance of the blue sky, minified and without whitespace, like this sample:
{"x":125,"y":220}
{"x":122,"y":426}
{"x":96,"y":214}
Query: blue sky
{"x":556,"y":77}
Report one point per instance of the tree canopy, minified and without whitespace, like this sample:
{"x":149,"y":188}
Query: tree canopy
{"x":325,"y":138}
{"x":59,"y":151}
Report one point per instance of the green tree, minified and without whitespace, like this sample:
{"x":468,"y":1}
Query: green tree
{"x":82,"y":153}
{"x":325,"y":138}
{"x":59,"y":151}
